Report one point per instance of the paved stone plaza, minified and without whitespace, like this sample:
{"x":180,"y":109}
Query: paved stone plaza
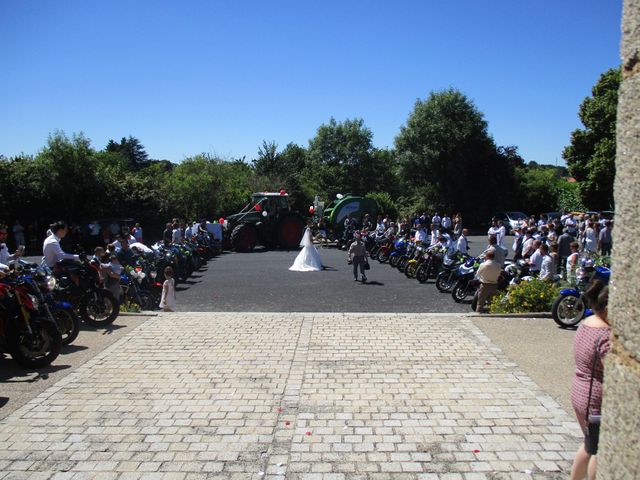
{"x":296,"y":396}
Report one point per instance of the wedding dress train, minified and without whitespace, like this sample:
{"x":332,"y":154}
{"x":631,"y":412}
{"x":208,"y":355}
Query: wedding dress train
{"x":308,"y":260}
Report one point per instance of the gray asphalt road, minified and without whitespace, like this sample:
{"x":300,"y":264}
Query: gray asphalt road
{"x":261,"y":282}
{"x":18,"y":386}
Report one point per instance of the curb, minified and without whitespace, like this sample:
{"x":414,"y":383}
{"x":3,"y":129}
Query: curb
{"x":138,"y":314}
{"x":513,"y":315}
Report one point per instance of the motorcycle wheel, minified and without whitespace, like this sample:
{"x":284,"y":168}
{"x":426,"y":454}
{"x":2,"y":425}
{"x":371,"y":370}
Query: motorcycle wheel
{"x":459,"y":292}
{"x":393,"y":260}
{"x":374,"y":253}
{"x":444,"y":282}
{"x":68,"y":324}
{"x":147,"y":301}
{"x":411,"y":269}
{"x":421,"y":274}
{"x":100,"y":309}
{"x":568,"y":310}
{"x":383,"y":256}
{"x":39,"y":351}
{"x":402,"y":264}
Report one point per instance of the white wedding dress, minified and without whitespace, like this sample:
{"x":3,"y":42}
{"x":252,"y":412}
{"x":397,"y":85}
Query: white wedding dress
{"x":308,"y":260}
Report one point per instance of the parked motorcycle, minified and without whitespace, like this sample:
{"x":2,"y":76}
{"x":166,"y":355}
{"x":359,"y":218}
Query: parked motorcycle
{"x":569,"y":308}
{"x":41,"y":283}
{"x":80,"y":284}
{"x":32,"y":339}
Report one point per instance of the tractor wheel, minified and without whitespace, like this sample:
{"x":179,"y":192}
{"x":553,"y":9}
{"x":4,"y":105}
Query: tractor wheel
{"x":243,"y":237}
{"x":289,"y":232}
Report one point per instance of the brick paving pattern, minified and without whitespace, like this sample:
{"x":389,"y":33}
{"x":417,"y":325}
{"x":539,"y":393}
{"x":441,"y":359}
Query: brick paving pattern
{"x":296,"y":396}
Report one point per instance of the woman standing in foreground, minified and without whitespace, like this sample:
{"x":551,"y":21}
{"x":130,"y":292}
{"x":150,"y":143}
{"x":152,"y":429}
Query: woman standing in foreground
{"x":591,"y":344}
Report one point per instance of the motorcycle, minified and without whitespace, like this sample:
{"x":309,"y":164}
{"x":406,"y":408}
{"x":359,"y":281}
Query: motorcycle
{"x":41,"y":284}
{"x":465,"y":283}
{"x":32,"y":339}
{"x":97,"y":306}
{"x":430,"y":267}
{"x":446,"y":277}
{"x":131,"y":281}
{"x":570,"y":307}
{"x":399,"y":250}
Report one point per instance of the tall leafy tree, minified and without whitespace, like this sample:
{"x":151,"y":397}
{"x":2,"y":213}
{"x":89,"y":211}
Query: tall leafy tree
{"x":131,"y":149}
{"x":447,"y":157}
{"x":591,"y":154}
{"x":342,"y":157}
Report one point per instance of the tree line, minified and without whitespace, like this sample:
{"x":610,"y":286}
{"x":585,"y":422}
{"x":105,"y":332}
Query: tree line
{"x":443,"y":159}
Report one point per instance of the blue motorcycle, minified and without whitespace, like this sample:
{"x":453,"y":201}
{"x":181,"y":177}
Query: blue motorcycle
{"x":570,"y":308}
{"x":41,"y":284}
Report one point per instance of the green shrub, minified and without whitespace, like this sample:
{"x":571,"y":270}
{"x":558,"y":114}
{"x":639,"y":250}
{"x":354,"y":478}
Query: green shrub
{"x":130,"y":307}
{"x":526,"y":297}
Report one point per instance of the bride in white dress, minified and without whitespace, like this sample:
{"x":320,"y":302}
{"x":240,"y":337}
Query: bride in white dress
{"x":308,"y":260}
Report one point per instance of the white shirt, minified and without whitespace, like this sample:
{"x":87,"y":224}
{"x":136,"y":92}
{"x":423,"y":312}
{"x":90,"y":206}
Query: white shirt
{"x":421,"y":235}
{"x":590,"y":240}
{"x":462,"y":244}
{"x":436,"y":220}
{"x":5,"y":256}
{"x":177,"y":236}
{"x":53,"y":253}
{"x":492,"y":231}
{"x":435,"y":234}
{"x":118,"y":246}
{"x":546,"y":268}
{"x":500,"y":234}
{"x":536,"y":261}
{"x":526,"y":245}
{"x":188,"y":233}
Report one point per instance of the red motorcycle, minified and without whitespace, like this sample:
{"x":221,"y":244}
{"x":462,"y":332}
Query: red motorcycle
{"x":33,"y":340}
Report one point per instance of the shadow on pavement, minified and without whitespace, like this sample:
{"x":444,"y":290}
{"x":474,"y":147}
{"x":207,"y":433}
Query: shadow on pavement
{"x":14,"y":373}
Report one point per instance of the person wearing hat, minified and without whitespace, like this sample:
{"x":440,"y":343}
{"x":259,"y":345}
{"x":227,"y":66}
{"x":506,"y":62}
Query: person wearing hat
{"x":358,"y":256}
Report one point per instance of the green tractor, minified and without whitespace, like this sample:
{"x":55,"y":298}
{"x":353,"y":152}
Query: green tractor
{"x":266,"y":220}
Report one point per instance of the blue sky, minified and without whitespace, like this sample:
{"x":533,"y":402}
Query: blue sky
{"x":208,"y":76}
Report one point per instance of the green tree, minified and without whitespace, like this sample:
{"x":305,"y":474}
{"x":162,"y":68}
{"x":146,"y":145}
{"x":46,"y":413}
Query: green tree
{"x":447,"y":157}
{"x":341,"y":158}
{"x":591,"y":154}
{"x":131,"y":149}
{"x":539,"y":188}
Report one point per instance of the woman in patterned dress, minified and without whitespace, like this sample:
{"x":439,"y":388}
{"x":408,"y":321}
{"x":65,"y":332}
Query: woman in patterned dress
{"x":591,"y":341}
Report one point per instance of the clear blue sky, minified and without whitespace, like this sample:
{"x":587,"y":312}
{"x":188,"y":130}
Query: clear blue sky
{"x":209,"y":76}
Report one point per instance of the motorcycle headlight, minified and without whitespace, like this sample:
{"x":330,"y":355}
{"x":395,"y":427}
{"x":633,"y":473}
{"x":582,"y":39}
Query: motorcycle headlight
{"x":51,"y":282}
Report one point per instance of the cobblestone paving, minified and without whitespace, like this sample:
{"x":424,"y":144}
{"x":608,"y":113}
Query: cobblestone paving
{"x":296,"y":396}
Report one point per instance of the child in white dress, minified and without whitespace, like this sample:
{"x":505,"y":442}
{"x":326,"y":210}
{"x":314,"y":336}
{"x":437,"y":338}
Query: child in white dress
{"x":168,"y":300}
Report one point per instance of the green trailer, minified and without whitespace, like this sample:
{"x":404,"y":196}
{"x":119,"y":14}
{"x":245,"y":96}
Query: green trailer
{"x":335,"y":213}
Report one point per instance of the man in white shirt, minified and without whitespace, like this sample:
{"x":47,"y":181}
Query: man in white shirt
{"x":547,"y":268}
{"x":436,"y":220}
{"x":188,"y":232}
{"x":421,"y":234}
{"x":5,"y":256}
{"x":488,"y":274}
{"x":446,"y":223}
{"x":51,"y":248}
{"x":435,"y":235}
{"x":463,"y":245}
{"x":501,"y":233}
{"x":535,"y":261}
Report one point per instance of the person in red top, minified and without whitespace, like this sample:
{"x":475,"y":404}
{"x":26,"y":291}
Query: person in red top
{"x":591,"y":344}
